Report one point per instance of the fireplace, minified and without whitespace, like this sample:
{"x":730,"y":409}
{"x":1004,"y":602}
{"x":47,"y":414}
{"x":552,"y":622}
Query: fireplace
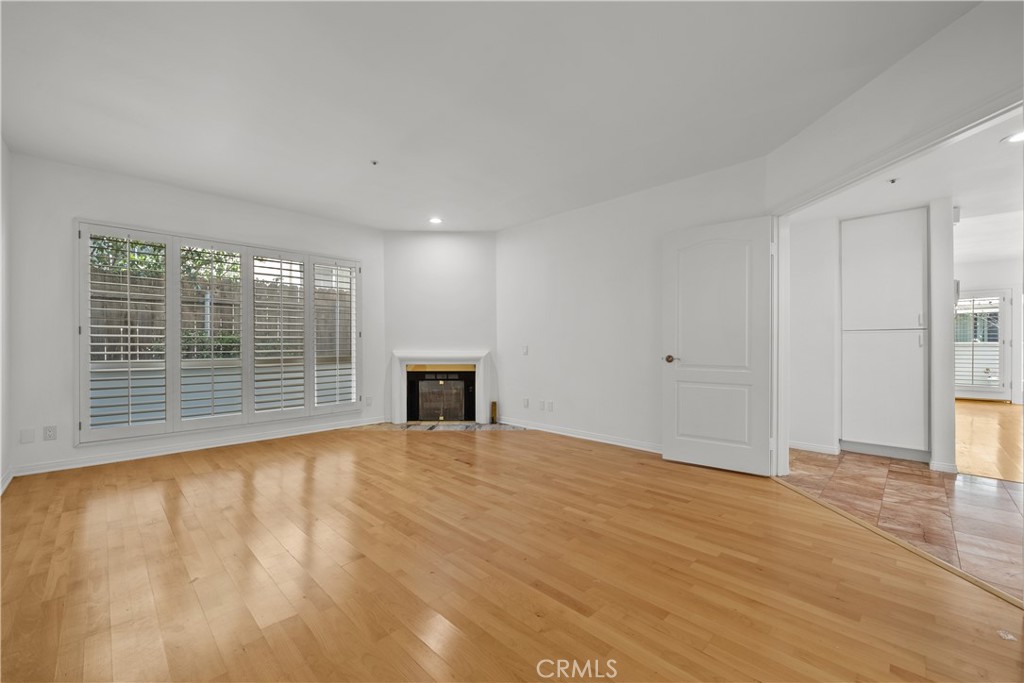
{"x":473,"y":370}
{"x":440,"y":392}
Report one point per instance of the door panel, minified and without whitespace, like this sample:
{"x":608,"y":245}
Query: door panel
{"x":720,"y":268}
{"x":885,"y":388}
{"x":884,"y":269}
{"x":717,"y":322}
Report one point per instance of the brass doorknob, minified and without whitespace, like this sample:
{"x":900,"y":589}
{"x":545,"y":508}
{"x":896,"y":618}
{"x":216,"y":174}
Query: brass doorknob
{"x":670,"y":358}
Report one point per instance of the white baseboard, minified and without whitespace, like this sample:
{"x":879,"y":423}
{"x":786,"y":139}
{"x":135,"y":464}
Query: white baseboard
{"x":815,"y":447}
{"x":886,"y":451}
{"x":180,"y":447}
{"x":943,"y":467}
{"x":5,"y":480}
{"x":648,"y":446}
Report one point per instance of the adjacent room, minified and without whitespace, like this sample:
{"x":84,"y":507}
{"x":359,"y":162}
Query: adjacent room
{"x":409,"y":341}
{"x":862,"y":436}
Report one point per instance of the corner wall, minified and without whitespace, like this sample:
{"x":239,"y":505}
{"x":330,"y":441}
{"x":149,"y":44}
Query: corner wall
{"x":582,"y":291}
{"x":41,"y":332}
{"x":440,"y":293}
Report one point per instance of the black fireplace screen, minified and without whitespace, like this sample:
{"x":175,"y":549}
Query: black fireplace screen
{"x":440,"y":396}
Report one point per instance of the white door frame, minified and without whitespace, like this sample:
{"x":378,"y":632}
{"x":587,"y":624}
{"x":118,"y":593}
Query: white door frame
{"x":940,"y":433}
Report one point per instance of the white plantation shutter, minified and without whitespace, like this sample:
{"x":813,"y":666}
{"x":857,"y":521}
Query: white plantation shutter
{"x":977,"y":343}
{"x":179,"y":333}
{"x":211,"y":333}
{"x":279,"y":333}
{"x":127,"y":327}
{"x":334,"y":311}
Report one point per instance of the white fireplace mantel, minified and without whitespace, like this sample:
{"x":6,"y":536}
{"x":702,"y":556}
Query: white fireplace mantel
{"x":400,"y":385}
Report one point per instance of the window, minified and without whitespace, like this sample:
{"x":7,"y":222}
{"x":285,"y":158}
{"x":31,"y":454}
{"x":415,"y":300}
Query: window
{"x":127,"y":368}
{"x":977,"y":342}
{"x":238,"y":331}
{"x":211,"y":332}
{"x":280,"y":333}
{"x":334,"y":312}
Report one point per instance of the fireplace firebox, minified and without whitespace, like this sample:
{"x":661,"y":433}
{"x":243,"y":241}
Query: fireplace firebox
{"x":440,"y":394}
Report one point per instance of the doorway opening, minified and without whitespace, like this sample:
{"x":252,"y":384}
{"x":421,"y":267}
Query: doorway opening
{"x":927,"y":496}
{"x":988,"y":264}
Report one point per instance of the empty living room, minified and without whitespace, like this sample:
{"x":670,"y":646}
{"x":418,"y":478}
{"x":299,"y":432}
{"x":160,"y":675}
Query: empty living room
{"x":510,"y":341}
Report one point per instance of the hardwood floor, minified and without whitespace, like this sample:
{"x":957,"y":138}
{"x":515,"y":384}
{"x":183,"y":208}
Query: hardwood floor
{"x":990,"y":439}
{"x":402,"y":555}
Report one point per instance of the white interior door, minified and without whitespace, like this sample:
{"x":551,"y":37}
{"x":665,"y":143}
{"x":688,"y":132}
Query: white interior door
{"x":717,"y":343}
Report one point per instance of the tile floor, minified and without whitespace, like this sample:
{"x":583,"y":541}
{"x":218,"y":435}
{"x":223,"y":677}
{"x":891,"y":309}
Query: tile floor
{"x":973,"y":523}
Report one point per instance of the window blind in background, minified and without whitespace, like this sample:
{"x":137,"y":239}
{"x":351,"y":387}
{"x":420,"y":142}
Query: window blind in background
{"x":334,"y":310}
{"x":279,"y":334}
{"x":127,"y":331}
{"x":977,"y":342}
{"x":211,"y":333}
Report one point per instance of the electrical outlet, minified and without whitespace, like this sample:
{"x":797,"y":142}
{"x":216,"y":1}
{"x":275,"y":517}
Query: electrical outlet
{"x":551,"y":406}
{"x":369,"y":401}
{"x":27,"y":436}
{"x":50,"y":433}
{"x":540,"y":404}
{"x":526,"y":403}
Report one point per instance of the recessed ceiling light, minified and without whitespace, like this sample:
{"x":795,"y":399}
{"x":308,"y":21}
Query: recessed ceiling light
{"x":436,"y":221}
{"x":1016,"y":137}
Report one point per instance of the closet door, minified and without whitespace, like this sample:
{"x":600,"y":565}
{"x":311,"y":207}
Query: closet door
{"x":884,"y":271}
{"x":885,"y":388}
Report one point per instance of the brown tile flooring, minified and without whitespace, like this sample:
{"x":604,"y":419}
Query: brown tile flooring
{"x":973,"y":523}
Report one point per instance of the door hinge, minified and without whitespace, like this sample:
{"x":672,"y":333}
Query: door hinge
{"x":79,"y":329}
{"x":360,"y":335}
{"x":79,"y":425}
{"x":360,"y":270}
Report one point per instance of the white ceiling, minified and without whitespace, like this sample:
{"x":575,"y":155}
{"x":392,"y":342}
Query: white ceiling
{"x":989,"y":238}
{"x":984,"y":176}
{"x":488,"y":114}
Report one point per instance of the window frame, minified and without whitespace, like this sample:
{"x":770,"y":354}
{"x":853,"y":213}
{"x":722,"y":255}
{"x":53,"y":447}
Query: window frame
{"x":1005,"y":297}
{"x":174,"y":423}
{"x":311,"y":325}
{"x":180,"y":424}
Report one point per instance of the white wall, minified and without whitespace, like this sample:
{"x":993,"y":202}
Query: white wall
{"x":942,"y":422}
{"x":582,"y":290}
{"x":814,"y":338}
{"x":1000,"y":274}
{"x":5,"y":210}
{"x":41,"y":335}
{"x":965,"y":72}
{"x":440,"y":292}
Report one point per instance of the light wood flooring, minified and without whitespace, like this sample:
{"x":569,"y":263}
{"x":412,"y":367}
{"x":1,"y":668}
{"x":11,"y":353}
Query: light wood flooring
{"x":990,"y":439}
{"x":402,"y":555}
